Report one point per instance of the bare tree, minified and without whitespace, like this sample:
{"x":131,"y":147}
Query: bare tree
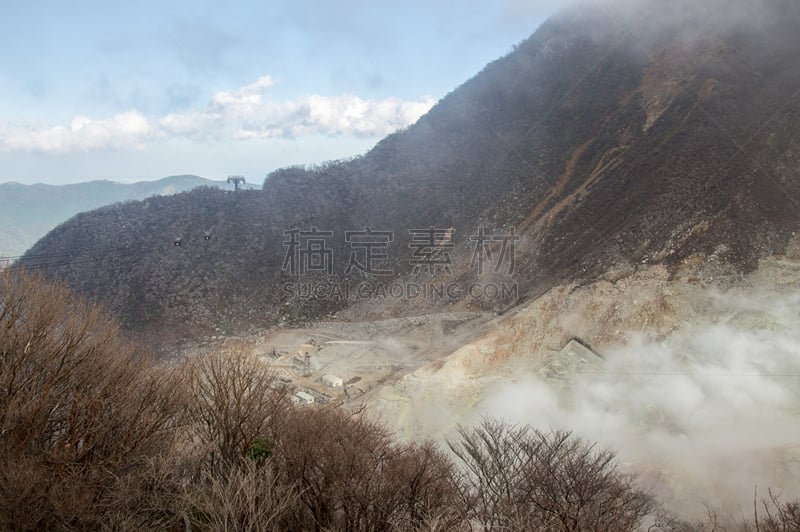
{"x":352,"y":475}
{"x":236,"y":408}
{"x":494,"y":465}
{"x":80,"y":409}
{"x":770,"y":514}
{"x":424,"y":481}
{"x":518,"y":478}
{"x":250,"y":498}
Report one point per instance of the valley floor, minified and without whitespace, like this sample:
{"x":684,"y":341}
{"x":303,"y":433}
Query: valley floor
{"x":693,"y":376}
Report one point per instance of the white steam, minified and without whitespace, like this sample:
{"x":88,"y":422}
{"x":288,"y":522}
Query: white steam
{"x":710,"y":411}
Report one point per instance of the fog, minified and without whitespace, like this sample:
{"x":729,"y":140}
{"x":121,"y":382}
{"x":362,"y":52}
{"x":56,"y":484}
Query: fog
{"x":705,"y":414}
{"x":648,"y":21}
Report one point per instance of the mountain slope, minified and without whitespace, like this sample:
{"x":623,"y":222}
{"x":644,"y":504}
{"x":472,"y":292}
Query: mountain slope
{"x":610,"y":138}
{"x":28,"y":212}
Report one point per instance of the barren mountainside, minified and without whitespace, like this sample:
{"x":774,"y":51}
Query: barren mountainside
{"x":610,"y":138}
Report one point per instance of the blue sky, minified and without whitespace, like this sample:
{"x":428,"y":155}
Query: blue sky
{"x":140,"y":90}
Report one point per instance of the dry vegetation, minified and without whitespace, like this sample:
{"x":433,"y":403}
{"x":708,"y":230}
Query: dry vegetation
{"x":516,"y":478}
{"x":95,"y":435}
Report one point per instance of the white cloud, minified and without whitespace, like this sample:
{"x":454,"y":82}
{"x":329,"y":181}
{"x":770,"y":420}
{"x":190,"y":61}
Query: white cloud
{"x":130,"y":128}
{"x":237,"y":114}
{"x":245,"y":96}
{"x":333,"y":116}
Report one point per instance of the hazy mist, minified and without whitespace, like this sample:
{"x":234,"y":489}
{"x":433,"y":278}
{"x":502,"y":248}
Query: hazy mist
{"x":712,"y":409}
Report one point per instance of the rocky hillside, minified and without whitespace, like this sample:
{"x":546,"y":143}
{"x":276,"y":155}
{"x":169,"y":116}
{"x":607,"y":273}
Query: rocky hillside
{"x":612,"y":137}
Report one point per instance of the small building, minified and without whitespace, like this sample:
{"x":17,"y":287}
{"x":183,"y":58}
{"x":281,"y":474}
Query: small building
{"x":332,"y":381}
{"x":303,"y":398}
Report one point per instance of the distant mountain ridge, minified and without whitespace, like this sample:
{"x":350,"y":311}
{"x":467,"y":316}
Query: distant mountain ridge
{"x":28,"y":212}
{"x":607,"y":140}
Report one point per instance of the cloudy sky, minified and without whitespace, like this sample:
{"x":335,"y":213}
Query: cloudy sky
{"x":93,"y":89}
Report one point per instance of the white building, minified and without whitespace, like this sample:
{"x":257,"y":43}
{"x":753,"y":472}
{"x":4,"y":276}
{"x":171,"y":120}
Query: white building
{"x":303,"y":398}
{"x":332,"y":381}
